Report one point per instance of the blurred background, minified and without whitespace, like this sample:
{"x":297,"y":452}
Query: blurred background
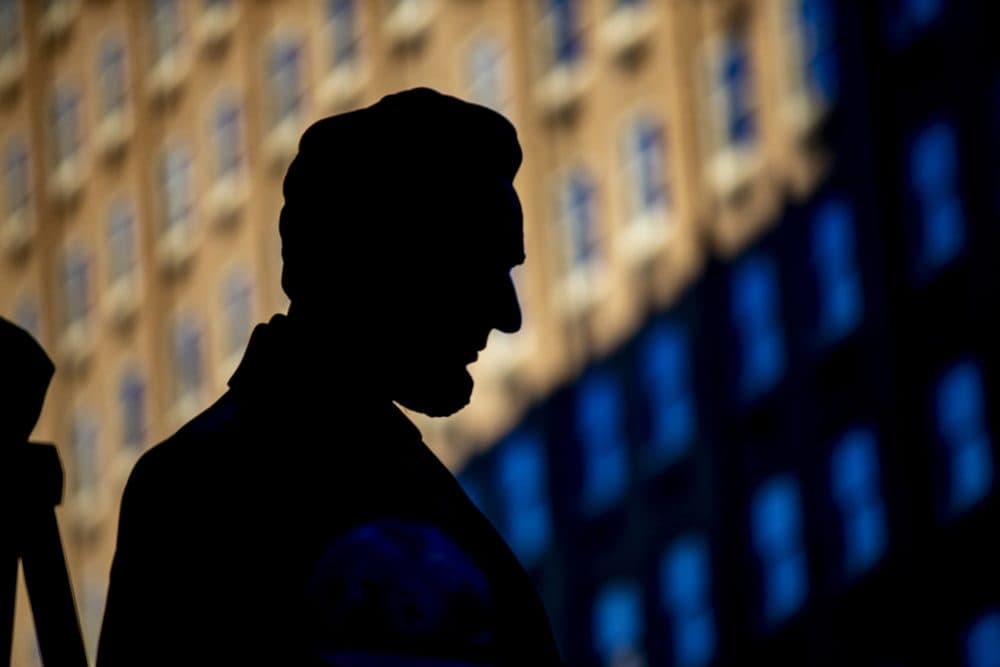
{"x":750,"y":418}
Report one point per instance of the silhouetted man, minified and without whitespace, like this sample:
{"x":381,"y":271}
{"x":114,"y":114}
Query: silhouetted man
{"x":300,"y":519}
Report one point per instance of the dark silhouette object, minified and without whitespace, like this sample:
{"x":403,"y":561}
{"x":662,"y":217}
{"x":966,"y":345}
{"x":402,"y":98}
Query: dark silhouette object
{"x":300,"y":519}
{"x":30,"y":488}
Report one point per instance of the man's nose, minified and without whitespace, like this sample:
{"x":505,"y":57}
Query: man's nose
{"x":508,"y":319}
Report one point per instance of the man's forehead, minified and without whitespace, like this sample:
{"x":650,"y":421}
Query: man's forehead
{"x":490,"y":213}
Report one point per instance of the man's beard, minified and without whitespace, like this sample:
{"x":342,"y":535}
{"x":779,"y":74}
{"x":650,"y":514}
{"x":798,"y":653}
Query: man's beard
{"x":437,"y":392}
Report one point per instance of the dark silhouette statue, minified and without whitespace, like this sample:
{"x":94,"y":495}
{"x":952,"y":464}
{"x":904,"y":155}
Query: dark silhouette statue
{"x":300,"y":519}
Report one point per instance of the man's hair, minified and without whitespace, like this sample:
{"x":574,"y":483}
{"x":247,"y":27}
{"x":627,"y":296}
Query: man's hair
{"x":359,"y":176}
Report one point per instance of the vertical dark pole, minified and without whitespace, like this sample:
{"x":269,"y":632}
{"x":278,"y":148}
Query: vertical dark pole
{"x":8,"y":589}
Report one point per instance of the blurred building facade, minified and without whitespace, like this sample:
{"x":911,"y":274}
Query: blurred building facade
{"x":144,"y":144}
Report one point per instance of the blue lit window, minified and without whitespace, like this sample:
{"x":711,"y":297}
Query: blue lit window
{"x":854,"y":477}
{"x":961,"y":426}
{"x":132,"y":400}
{"x":523,"y":488}
{"x":666,"y":380}
{"x":121,"y":240}
{"x":618,"y":623}
{"x":17,"y":183}
{"x":227,"y":136}
{"x":735,"y":79}
{"x":65,"y":121}
{"x":112,"y":76}
{"x":286,"y":78}
{"x":175,"y":183}
{"x":815,"y":20}
{"x":646,"y":166}
{"x":165,"y":27}
{"x":76,"y":286}
{"x":578,"y":213}
{"x":27,"y":317}
{"x":685,"y":593}
{"x":485,"y":73}
{"x":562,"y":15}
{"x":776,"y":526}
{"x":934,"y":188}
{"x":187,"y":356}
{"x":982,"y":641}
{"x":343,"y":31}
{"x":600,"y":430}
{"x":841,"y":298}
{"x":238,"y":307}
{"x":10,"y":26}
{"x":756,"y":318}
{"x":84,"y":443}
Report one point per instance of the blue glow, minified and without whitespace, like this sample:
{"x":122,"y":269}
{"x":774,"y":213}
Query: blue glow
{"x":736,"y":80}
{"x":132,"y":397}
{"x":961,"y":422}
{"x":754,"y":310}
{"x":667,"y":383}
{"x":854,"y":477}
{"x":982,"y":641}
{"x":776,"y":526}
{"x":934,"y":185}
{"x":599,"y":427}
{"x":648,"y":138}
{"x":685,"y":593}
{"x":618,"y":623}
{"x":841,"y":297}
{"x":522,"y":482}
{"x":816,"y":24}
{"x":908,"y":18}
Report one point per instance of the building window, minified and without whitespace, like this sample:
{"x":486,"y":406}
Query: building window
{"x":76,"y":287}
{"x":756,"y":318}
{"x":65,"y":119}
{"x":643,"y":150}
{"x":10,"y":27}
{"x":686,"y":597}
{"x":840,"y":295}
{"x":17,"y":183}
{"x":854,"y":477}
{"x":165,"y":27}
{"x":522,"y":481}
{"x":187,"y":358}
{"x":121,"y":240}
{"x":961,"y":412}
{"x":112,"y":76}
{"x":227,"y":133}
{"x":484,"y":71}
{"x":733,"y":98}
{"x":563,"y":31}
{"x":934,"y":187}
{"x":86,"y":458}
{"x":343,"y":30}
{"x":238,"y":307}
{"x":286,"y":79}
{"x":776,"y":528}
{"x":618,"y":623}
{"x":814,"y":35}
{"x":982,"y":640}
{"x":666,"y":379}
{"x":27,"y":317}
{"x":600,"y":432}
{"x":132,"y":399}
{"x":175,"y":184}
{"x":577,"y":212}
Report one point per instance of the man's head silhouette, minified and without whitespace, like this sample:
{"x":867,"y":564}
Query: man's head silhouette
{"x":399,"y":230}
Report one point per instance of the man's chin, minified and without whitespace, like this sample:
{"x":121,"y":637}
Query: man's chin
{"x":439,"y":398}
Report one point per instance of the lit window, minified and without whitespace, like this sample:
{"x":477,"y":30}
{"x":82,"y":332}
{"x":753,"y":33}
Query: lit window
{"x":757,"y":320}
{"x":685,"y":594}
{"x":121,"y":240}
{"x":238,"y":307}
{"x":10,"y":27}
{"x":854,"y":477}
{"x":561,"y":16}
{"x":76,"y":287}
{"x":776,"y":527}
{"x":343,"y":31}
{"x":112,"y":76}
{"x":735,"y":84}
{"x":187,"y":355}
{"x":982,"y":641}
{"x":17,"y":182}
{"x":227,"y":136}
{"x":964,"y":439}
{"x":165,"y":25}
{"x":933,"y":171}
{"x":815,"y":33}
{"x":85,"y":453}
{"x":577,"y":211}
{"x":286,"y":79}
{"x":523,"y":488}
{"x":132,"y":399}
{"x":65,"y":121}
{"x":840,"y":295}
{"x":485,"y":73}
{"x":646,"y":173}
{"x":600,"y":431}
{"x":27,"y":317}
{"x":618,"y":623}
{"x":666,"y":380}
{"x":175,"y":184}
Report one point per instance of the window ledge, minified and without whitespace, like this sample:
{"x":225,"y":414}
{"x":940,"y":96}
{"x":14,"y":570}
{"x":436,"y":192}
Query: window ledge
{"x":225,"y":201}
{"x":76,"y":346}
{"x":167,"y":77}
{"x":501,"y":362}
{"x":408,"y":23}
{"x":58,"y":19}
{"x":11,"y":73}
{"x":175,"y":248}
{"x":646,"y":235}
{"x":113,"y":134}
{"x":215,"y":28}
{"x":17,"y":233}
{"x":185,"y":407}
{"x":582,"y":289}
{"x":802,"y":113}
{"x":560,"y":89}
{"x":282,"y":143}
{"x":342,"y":86}
{"x":628,"y":30}
{"x":66,"y":182}
{"x":731,"y":171}
{"x":89,"y":510}
{"x":122,"y":302}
